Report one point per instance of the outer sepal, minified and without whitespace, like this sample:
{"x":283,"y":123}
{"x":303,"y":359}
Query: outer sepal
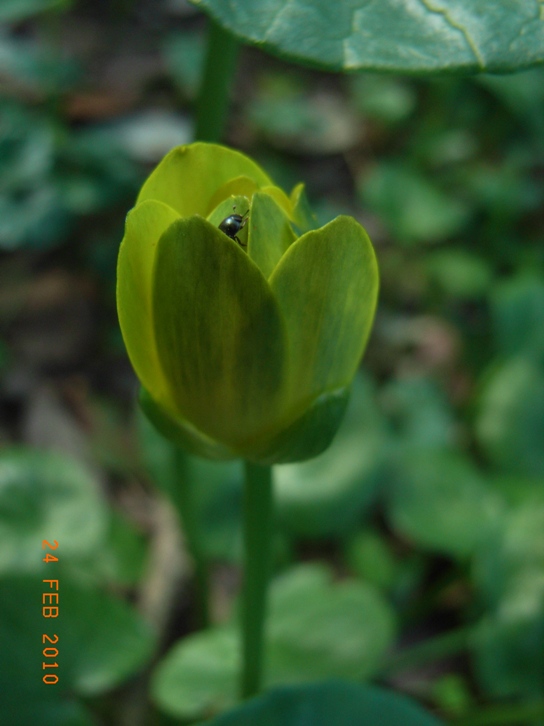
{"x":309,"y":435}
{"x":182,"y":433}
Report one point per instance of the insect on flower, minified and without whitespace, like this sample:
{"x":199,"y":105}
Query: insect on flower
{"x":233,"y":224}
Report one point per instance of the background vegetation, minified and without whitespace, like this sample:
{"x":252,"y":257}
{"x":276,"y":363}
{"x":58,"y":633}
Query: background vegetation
{"x":411,"y":554}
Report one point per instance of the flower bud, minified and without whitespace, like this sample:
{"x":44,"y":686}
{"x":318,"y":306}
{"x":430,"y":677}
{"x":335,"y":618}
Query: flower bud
{"x":244,"y":324}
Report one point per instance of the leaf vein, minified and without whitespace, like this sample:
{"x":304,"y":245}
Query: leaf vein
{"x":285,"y":7}
{"x":457,"y":26}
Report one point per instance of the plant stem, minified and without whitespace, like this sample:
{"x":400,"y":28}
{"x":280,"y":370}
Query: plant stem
{"x":257,"y":514}
{"x":219,"y":70}
{"x":183,"y":496}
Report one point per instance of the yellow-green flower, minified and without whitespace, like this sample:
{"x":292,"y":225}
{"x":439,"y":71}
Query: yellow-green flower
{"x":242,"y":349}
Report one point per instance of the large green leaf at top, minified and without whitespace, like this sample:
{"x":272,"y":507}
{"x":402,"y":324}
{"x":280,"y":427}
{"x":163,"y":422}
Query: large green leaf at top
{"x":329,"y":702}
{"x":326,"y":285}
{"x":413,"y":36}
{"x":188,"y":178}
{"x":220,"y":335}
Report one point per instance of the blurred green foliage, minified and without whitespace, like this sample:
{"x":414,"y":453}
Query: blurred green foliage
{"x":425,"y":518}
{"x":316,"y":629}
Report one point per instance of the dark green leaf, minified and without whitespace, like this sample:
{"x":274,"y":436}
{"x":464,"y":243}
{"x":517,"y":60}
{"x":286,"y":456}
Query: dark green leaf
{"x":329,"y":702}
{"x":424,"y":37}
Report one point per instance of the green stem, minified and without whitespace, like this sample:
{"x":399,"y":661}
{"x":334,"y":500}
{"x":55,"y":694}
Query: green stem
{"x":504,"y":715}
{"x":219,"y":70}
{"x":183,"y":496}
{"x":257,"y":514}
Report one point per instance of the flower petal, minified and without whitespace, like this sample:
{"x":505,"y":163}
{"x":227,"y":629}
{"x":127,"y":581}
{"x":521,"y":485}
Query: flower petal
{"x":309,"y":435}
{"x":326,"y":285}
{"x":220,"y":335}
{"x":242,"y":186}
{"x":144,"y":226}
{"x":303,"y":216}
{"x":189,"y":176}
{"x":281,"y":199}
{"x":270,"y":233}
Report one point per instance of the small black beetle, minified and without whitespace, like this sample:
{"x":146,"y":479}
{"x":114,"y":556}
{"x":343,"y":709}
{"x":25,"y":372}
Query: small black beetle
{"x":232,"y":224}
